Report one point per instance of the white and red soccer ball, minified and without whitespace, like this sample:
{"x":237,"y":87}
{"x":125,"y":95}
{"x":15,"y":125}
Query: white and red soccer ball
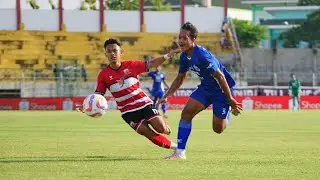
{"x":95,"y":105}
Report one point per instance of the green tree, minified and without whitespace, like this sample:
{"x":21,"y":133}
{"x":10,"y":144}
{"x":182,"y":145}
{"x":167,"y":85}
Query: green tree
{"x":91,"y":4}
{"x":308,"y":2}
{"x":53,"y":6}
{"x":122,"y":4}
{"x":83,"y":6}
{"x":309,"y":32}
{"x":33,"y":4}
{"x":159,"y":5}
{"x":249,"y":34}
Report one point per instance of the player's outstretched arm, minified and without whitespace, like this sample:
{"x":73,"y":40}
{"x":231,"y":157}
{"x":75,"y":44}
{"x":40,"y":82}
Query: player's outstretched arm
{"x":166,"y":84}
{"x":146,"y":74}
{"x":159,"y":60}
{"x":174,"y":87}
{"x":226,"y":89}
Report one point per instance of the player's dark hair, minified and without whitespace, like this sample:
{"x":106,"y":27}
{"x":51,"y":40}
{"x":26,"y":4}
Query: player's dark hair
{"x":191,"y":28}
{"x":111,"y":41}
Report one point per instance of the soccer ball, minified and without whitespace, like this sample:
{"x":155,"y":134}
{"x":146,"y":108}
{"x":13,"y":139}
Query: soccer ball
{"x":95,"y":105}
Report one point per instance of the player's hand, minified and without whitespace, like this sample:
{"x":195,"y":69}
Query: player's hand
{"x":162,"y":101}
{"x":173,"y":52}
{"x":235,"y":106}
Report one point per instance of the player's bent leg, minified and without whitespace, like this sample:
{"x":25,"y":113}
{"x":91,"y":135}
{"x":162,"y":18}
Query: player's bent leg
{"x":197,"y":102}
{"x":219,"y":124}
{"x":154,"y":99}
{"x":298,"y":102}
{"x":221,"y":115}
{"x":164,"y":110}
{"x":159,"y":125}
{"x":157,"y":139}
{"x":192,"y":108}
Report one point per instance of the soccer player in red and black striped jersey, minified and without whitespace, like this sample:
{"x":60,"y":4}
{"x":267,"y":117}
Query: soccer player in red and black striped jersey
{"x":121,"y":79}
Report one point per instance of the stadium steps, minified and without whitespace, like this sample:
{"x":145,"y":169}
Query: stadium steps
{"x":40,"y":50}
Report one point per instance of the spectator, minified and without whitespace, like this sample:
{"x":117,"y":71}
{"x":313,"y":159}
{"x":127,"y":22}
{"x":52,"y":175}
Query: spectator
{"x":55,"y":71}
{"x":84,"y":74}
{"x":224,"y":42}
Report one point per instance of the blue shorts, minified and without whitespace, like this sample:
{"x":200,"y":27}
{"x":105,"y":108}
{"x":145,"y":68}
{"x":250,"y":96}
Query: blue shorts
{"x":220,"y":105}
{"x":157,"y":94}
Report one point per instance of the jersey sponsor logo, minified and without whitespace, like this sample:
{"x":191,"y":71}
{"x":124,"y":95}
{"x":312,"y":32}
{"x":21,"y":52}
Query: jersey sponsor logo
{"x":121,"y":82}
{"x":195,"y":70}
{"x":126,"y":71}
{"x":110,"y":77}
{"x":209,"y":66}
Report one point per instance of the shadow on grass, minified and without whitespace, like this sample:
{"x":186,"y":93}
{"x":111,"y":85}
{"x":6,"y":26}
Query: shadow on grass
{"x":70,"y":159}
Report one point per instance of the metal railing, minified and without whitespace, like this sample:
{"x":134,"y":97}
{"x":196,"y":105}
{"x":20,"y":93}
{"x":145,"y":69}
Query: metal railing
{"x":71,"y":86}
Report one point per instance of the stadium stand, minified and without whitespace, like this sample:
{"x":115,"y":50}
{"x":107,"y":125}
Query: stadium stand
{"x":35,"y":51}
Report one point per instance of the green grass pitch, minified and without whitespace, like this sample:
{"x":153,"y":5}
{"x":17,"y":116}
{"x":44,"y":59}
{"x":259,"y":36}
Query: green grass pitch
{"x":70,"y":145}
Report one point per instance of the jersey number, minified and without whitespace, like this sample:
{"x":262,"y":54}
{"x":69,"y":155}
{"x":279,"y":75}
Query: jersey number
{"x":155,"y":111}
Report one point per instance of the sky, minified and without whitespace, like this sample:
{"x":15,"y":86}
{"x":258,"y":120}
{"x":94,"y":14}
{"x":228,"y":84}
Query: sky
{"x":44,"y":4}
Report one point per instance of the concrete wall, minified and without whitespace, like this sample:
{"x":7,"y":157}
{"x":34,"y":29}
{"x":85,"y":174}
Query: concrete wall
{"x":206,"y":20}
{"x":40,"y":20}
{"x":261,"y":64}
{"x":8,"y":20}
{"x":81,"y":21}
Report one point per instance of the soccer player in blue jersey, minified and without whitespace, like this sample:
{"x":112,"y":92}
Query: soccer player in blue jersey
{"x":216,"y":88}
{"x":157,"y":91}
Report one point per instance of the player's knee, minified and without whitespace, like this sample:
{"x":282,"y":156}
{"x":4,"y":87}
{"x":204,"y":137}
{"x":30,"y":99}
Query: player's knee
{"x":218,"y":126}
{"x":218,"y":129}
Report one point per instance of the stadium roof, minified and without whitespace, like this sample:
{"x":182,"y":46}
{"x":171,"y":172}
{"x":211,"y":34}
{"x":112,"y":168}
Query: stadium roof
{"x":267,"y":1}
{"x":289,"y":8}
{"x":282,"y":21}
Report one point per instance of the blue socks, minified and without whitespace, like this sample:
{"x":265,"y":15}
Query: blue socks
{"x":164,"y":108}
{"x":183,"y":133}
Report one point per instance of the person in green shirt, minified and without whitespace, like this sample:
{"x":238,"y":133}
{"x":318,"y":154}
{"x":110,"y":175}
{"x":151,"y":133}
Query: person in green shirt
{"x":294,"y":91}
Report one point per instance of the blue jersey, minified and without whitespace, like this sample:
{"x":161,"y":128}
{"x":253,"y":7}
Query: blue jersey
{"x":158,"y":78}
{"x":204,"y":64}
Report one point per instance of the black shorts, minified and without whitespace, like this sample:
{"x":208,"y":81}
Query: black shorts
{"x":136,"y":118}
